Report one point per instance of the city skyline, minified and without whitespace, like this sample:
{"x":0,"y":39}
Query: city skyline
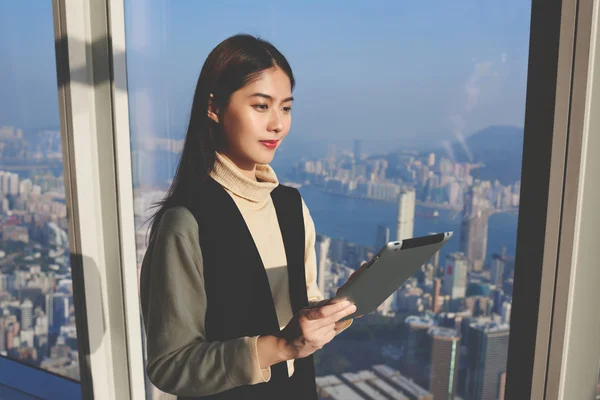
{"x":336,"y":259}
{"x":480,"y":71}
{"x":375,"y":84}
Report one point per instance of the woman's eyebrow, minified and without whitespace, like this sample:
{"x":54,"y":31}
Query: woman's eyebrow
{"x":268,"y":97}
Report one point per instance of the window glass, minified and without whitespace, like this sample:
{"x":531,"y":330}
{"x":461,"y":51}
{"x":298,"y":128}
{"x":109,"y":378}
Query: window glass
{"x":408,"y":120}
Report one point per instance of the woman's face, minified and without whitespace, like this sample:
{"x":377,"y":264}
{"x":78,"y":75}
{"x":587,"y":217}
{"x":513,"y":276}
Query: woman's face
{"x":258,"y":112}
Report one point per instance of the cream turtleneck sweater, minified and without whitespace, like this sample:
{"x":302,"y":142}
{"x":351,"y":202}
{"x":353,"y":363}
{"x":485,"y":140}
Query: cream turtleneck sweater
{"x":179,"y":359}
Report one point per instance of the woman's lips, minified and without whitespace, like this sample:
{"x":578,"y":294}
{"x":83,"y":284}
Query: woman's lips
{"x":271,"y":144}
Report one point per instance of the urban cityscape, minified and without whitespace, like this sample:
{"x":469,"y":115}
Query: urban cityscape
{"x":453,"y":317}
{"x":444,"y":333}
{"x":436,"y":109}
{"x":37,"y":319}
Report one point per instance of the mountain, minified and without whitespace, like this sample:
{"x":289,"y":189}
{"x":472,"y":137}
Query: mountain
{"x":499,"y":148}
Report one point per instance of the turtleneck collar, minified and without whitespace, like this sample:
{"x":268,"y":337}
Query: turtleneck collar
{"x":228,"y":175}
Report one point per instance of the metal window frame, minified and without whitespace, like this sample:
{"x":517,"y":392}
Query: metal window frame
{"x":544,"y":152}
{"x":100,"y":233}
{"x":575,"y":337}
{"x":91,"y":46}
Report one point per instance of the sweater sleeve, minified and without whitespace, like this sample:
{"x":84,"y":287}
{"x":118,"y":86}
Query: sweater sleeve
{"x":179,"y":359}
{"x":310,"y":264}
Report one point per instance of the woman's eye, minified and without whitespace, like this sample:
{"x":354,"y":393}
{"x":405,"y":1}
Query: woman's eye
{"x":262,"y":106}
{"x":287,"y":109}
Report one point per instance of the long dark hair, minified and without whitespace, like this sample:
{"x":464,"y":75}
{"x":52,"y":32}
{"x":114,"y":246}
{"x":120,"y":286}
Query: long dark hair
{"x":234,"y":63}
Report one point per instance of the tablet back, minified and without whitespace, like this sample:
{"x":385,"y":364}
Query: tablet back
{"x":388,"y":270}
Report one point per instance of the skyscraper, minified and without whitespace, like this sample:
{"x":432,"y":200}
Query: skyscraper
{"x":431,"y":160}
{"x":322,"y":249}
{"x":357,"y":150}
{"x":26,"y":314}
{"x":455,"y":275}
{"x":488,"y":350}
{"x":406,"y":214}
{"x":506,"y":307}
{"x":418,"y":349}
{"x":445,"y":356}
{"x":502,"y":386}
{"x":57,"y":308}
{"x":497,"y":277}
{"x":437,"y":286}
{"x":383,"y":236}
{"x":474,"y":227}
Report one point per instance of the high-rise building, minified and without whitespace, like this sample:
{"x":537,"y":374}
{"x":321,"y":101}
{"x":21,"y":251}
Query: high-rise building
{"x":357,"y":150}
{"x":418,"y":349}
{"x":502,"y":386}
{"x":26,"y":314}
{"x":488,"y":350}
{"x":337,"y":249}
{"x":445,"y":357}
{"x":57,"y":307}
{"x":431,"y":160}
{"x":455,"y":276}
{"x":436,"y":259}
{"x":383,"y":236}
{"x":506,"y":307}
{"x":497,"y":277}
{"x":406,"y":214}
{"x":436,"y":303}
{"x":323,"y":243}
{"x":474,"y":227}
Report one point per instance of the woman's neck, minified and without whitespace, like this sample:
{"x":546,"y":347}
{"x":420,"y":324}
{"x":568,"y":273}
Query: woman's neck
{"x":248,"y":169}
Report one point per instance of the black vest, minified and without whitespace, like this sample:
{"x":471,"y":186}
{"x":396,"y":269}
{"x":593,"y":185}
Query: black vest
{"x":239,"y":298}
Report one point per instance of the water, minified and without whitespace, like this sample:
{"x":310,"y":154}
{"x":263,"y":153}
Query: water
{"x":356,"y":220}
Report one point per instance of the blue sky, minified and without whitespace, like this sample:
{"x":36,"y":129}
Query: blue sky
{"x":391,"y":71}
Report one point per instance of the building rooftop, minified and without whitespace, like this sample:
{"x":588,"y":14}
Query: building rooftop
{"x":404,"y":383}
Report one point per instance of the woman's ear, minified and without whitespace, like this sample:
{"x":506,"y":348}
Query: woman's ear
{"x":212,"y":112}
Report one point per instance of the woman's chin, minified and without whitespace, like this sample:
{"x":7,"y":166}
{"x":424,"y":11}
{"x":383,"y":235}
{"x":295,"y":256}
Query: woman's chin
{"x":265,"y":156}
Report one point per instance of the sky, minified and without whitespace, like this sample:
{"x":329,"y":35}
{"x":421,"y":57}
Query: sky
{"x":393,"y":72}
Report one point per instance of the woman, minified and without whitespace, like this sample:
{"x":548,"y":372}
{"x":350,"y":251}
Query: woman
{"x":231,"y":268}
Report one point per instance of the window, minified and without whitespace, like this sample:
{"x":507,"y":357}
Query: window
{"x":38,"y":336}
{"x":408,"y":118}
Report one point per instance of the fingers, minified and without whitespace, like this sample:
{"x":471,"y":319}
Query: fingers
{"x":324,"y":329}
{"x":341,"y":314}
{"x":327,"y":310}
{"x":324,"y":335}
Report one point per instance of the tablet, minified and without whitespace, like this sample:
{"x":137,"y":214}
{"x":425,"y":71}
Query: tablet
{"x":388,"y":270}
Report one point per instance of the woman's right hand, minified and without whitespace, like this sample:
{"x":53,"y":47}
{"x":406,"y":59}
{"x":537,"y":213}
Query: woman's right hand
{"x":312,"y":328}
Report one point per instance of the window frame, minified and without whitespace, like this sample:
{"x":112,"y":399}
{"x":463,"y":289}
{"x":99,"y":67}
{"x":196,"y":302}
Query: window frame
{"x":91,"y":48}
